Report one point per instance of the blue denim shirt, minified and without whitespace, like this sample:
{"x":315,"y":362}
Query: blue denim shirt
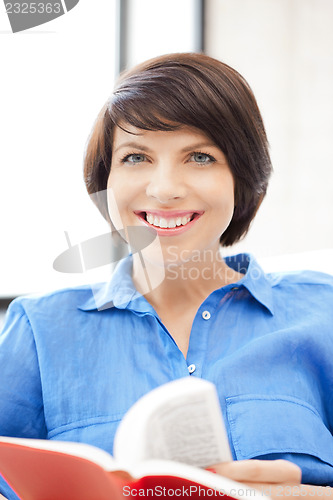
{"x":70,"y":370}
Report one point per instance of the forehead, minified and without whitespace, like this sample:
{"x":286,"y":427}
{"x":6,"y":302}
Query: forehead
{"x":127,"y":135}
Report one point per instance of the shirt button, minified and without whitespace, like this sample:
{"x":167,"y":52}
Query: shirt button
{"x":206,"y":315}
{"x":235,"y":288}
{"x":191,"y":368}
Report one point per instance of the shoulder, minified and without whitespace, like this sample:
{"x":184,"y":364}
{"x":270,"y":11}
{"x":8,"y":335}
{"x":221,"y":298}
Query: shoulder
{"x":302,"y":279}
{"x":58,"y":301}
{"x":55,"y":315}
{"x":299,"y":294}
{"x":307,"y":269}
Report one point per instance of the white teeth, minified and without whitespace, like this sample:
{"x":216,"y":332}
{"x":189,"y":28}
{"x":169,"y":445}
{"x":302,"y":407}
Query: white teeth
{"x":167,"y":223}
{"x":163,"y":223}
{"x":156,"y":221}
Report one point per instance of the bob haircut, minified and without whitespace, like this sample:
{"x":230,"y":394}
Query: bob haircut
{"x":188,"y":89}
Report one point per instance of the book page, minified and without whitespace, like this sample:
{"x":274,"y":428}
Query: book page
{"x":186,"y":431}
{"x":180,"y":421}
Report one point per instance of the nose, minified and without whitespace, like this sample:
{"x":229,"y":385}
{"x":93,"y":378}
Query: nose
{"x":166,"y":183}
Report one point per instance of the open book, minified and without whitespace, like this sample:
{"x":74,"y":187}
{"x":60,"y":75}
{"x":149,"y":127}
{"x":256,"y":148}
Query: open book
{"x":164,"y":441}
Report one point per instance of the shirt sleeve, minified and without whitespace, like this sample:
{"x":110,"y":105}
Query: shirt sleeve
{"x":21,"y":401}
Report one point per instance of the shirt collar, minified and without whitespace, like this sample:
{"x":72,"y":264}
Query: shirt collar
{"x":120,"y":291}
{"x":255,"y":280}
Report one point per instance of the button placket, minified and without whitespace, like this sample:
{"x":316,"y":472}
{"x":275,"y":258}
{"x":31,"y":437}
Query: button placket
{"x":197,"y":350}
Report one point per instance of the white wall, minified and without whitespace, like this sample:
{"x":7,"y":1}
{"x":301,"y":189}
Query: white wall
{"x":54,"y":80}
{"x":284,"y":48}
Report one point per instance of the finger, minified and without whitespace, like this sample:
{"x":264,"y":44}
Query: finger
{"x":265,"y":471}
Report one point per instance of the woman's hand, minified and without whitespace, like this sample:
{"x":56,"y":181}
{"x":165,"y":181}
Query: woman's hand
{"x":261,"y":471}
{"x":275,"y":478}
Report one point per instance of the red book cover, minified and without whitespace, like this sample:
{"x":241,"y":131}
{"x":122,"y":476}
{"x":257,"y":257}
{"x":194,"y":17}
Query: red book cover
{"x":43,"y":474}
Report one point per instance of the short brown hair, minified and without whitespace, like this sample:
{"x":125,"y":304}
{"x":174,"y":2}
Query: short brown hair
{"x":196,"y":90}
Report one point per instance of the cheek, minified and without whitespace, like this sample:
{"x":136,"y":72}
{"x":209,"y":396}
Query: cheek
{"x":224,"y":202}
{"x":120,"y":185}
{"x":224,"y":194}
{"x":229,"y":200}
{"x":123,"y":193}
{"x":226,"y":211}
{"x":116,"y":198}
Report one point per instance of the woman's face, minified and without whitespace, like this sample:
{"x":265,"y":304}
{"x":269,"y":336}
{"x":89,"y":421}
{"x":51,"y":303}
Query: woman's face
{"x":178,"y":182}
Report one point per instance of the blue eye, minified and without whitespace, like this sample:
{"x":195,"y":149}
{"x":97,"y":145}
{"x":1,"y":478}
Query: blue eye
{"x":202,"y":158}
{"x":134,"y":158}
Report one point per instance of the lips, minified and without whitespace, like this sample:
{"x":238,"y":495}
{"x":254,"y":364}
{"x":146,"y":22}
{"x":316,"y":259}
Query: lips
{"x":169,"y":222}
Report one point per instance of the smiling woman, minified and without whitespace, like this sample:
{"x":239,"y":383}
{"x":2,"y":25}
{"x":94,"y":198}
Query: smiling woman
{"x":170,"y":187}
{"x":180,"y":150}
{"x":184,"y":90}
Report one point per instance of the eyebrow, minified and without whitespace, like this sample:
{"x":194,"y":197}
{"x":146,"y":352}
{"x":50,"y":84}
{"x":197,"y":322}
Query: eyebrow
{"x":192,"y":147}
{"x":133,"y":145}
{"x":199,"y":145}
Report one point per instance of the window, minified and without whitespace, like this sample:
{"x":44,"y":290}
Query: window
{"x":56,"y":78}
{"x":151,"y":28}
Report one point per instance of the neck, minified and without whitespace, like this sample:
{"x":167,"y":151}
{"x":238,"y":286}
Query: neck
{"x":178,"y":283}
